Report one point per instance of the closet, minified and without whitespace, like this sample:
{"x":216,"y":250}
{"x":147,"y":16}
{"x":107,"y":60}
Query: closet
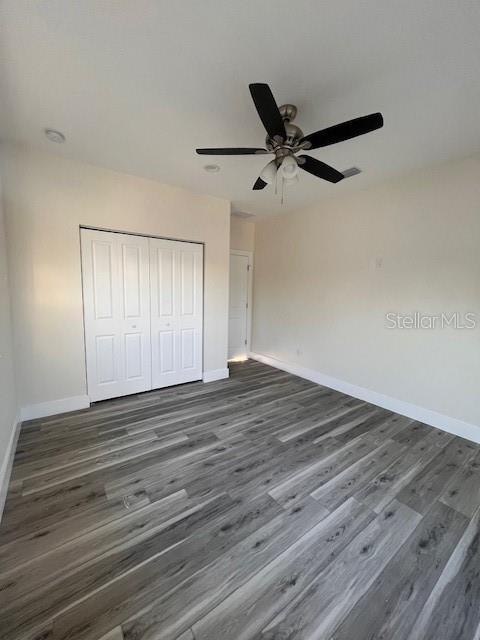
{"x":143,"y":312}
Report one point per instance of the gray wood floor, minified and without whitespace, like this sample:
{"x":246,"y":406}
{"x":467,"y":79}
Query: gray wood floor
{"x":259,"y":507}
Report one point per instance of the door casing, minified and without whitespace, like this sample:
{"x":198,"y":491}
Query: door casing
{"x":249,"y":255}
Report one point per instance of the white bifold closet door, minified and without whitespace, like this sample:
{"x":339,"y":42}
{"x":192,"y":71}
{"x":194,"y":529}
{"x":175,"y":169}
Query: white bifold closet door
{"x":143,"y":312}
{"x":116,"y":300}
{"x":176,"y":286}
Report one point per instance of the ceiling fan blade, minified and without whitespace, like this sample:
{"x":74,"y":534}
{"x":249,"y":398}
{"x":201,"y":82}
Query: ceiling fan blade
{"x":259,"y":184}
{"x":267,"y":110}
{"x":231,"y":151}
{"x":320,"y":169}
{"x":344,"y":131}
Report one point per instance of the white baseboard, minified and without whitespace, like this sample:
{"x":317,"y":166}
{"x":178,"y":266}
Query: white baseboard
{"x":445,"y":423}
{"x":215,"y":374}
{"x":7,"y":463}
{"x":53,"y":407}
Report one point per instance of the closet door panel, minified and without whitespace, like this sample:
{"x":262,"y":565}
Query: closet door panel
{"x":163,"y":303}
{"x":165,"y":264}
{"x":190,"y":312}
{"x":103,"y":277}
{"x":134,"y":348}
{"x":105,"y":359}
{"x":167,"y":351}
{"x":177,"y":308}
{"x":187,"y":342}
{"x":135,"y":311}
{"x":116,"y":299}
{"x":132,"y":286}
{"x":187,"y":283}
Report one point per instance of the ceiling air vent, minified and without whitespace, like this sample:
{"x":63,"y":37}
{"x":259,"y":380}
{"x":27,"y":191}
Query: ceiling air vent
{"x":243,"y":214}
{"x":353,"y":171}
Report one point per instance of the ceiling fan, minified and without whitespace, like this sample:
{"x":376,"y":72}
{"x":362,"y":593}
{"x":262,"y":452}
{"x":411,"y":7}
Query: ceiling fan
{"x":285,"y":140}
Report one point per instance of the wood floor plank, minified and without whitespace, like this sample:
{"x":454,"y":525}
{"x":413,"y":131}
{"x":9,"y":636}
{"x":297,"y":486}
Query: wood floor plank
{"x":122,"y":565}
{"x":119,"y":599}
{"x":165,"y":475}
{"x":63,"y":459}
{"x":114,"y":634}
{"x":185,"y":514}
{"x":188,"y":635}
{"x":416,"y":567}
{"x":30,"y":514}
{"x":336,"y":410}
{"x":413,"y":433}
{"x":204,"y":590}
{"x":249,"y":608}
{"x":427,"y":486}
{"x":318,"y":609}
{"x":24,"y":549}
{"x":49,"y":478}
{"x":321,"y":471}
{"x":452,"y":610}
{"x":344,"y":484}
{"x":463,"y":492}
{"x":385,"y":422}
{"x":182,"y":448}
{"x":257,"y":473}
{"x":141,"y":523}
{"x":366,"y":414}
{"x":390,"y":481}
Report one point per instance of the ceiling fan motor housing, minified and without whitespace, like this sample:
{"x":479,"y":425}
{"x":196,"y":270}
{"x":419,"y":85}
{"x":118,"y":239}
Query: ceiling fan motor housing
{"x":281,"y":153}
{"x":288,"y":112}
{"x":294,"y":133}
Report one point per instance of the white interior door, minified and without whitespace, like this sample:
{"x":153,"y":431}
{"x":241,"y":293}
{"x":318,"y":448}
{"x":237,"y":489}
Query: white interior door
{"x":116,"y":295}
{"x":176,"y":286}
{"x":238,"y":306}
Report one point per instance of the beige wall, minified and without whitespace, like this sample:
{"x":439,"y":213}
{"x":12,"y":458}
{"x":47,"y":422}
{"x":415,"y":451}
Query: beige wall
{"x":46,"y":199}
{"x":242,"y":234}
{"x":8,"y":405}
{"x":320,"y":301}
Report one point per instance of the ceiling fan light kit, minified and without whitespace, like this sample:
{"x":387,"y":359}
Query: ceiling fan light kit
{"x":285,"y":140}
{"x":269,"y":172}
{"x":289,"y":167}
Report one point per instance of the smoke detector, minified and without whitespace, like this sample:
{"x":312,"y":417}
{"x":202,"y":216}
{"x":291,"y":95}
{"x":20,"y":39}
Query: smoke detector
{"x":212,"y":168}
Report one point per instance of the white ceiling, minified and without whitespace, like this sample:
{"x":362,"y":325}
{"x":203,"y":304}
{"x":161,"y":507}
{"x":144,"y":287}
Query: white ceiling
{"x":137,"y":85}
